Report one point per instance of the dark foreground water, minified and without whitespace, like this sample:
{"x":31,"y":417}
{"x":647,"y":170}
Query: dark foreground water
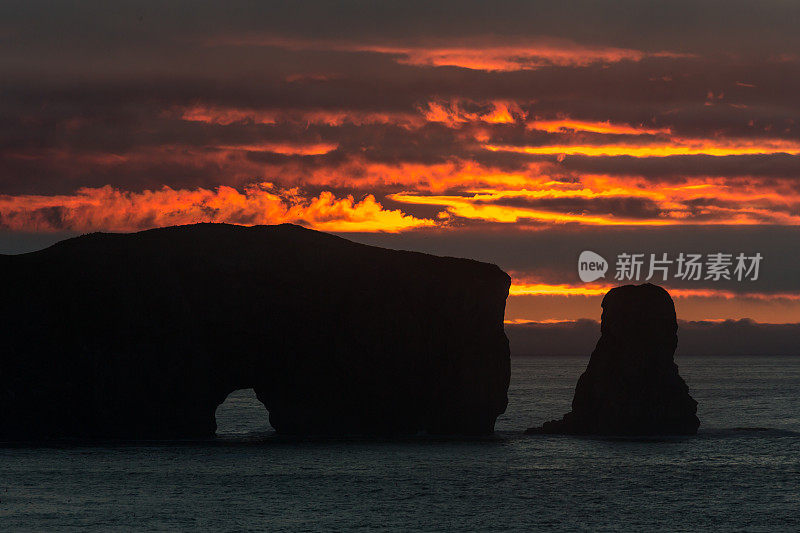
{"x":742,"y":472}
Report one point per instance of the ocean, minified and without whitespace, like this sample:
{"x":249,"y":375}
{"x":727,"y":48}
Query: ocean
{"x":741,"y":472}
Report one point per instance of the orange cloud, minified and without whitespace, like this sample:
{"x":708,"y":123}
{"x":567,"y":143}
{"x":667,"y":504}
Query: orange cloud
{"x":719,"y":147}
{"x":523,"y":288}
{"x":473,"y":207}
{"x":357,"y":172}
{"x":567,"y":125}
{"x":284,"y":148}
{"x":513,"y":58}
{"x":503,"y":112}
{"x":554,"y":307}
{"x":228,"y":115}
{"x":533,"y":301}
{"x":516,"y":321}
{"x":452,"y":112}
{"x":690,"y":204}
{"x":107,"y":208}
{"x":455,"y":112}
{"x":487,"y":54}
{"x":463,"y":188}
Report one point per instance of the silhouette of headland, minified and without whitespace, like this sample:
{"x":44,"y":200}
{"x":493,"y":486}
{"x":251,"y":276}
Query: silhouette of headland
{"x":631,"y":385}
{"x":143,"y":335}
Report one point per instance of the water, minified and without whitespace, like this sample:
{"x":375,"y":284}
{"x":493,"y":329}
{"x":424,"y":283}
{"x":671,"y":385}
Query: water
{"x":250,"y":479}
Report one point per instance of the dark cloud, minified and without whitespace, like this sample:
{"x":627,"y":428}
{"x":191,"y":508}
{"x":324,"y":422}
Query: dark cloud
{"x":677,"y":168}
{"x":92,"y":94}
{"x":627,"y":207}
{"x":682,"y":25}
{"x":731,"y":337}
{"x":551,"y":254}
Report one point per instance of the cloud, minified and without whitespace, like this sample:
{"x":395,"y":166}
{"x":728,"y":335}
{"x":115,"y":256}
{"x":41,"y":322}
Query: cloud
{"x":226,"y":116}
{"x":283,"y":148}
{"x":477,"y":53}
{"x":416,"y":177}
{"x":484,"y":207}
{"x":549,"y":256}
{"x":457,"y":112}
{"x":518,"y":132}
{"x":729,"y":337}
{"x":609,"y":201}
{"x":725,"y":147}
{"x":768,"y":27}
{"x":566,"y":125}
{"x":680,"y":167}
{"x":108,"y":208}
{"x":523,"y":287}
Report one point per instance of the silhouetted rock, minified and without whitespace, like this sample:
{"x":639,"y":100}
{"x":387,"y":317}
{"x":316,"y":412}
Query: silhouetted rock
{"x":143,"y":335}
{"x":631,"y":385}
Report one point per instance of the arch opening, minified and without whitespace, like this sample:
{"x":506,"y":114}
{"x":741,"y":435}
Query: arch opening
{"x":242,"y":415}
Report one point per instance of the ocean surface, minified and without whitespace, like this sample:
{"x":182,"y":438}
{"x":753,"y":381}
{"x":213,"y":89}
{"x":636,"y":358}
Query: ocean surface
{"x":742,"y":472}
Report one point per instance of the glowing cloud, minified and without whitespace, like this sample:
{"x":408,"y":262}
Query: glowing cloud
{"x":522,"y":288}
{"x":661,"y":149}
{"x":284,"y":148}
{"x":107,"y":208}
{"x":582,"y":204}
{"x":476,"y":53}
{"x":511,"y":58}
{"x":532,"y":300}
{"x":226,"y":116}
{"x":566,"y":125}
{"x":457,"y":112}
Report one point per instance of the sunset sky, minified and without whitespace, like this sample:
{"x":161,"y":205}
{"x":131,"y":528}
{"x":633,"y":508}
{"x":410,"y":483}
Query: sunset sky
{"x":520,"y":133}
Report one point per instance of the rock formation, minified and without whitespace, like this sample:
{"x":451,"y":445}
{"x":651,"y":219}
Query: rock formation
{"x":143,"y":335}
{"x":631,"y":385}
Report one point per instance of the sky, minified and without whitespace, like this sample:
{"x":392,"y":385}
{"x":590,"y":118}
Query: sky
{"x":520,"y":133}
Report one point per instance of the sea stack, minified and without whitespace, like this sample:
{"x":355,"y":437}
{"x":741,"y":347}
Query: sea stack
{"x":631,"y":385}
{"x":143,"y":335}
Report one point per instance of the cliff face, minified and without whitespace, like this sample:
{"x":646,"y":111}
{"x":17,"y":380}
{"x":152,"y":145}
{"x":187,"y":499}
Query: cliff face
{"x":143,"y":335}
{"x":631,"y":385}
